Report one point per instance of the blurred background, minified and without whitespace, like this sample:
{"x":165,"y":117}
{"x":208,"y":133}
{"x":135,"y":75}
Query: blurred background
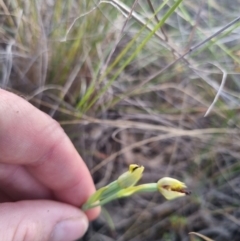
{"x":150,"y":82}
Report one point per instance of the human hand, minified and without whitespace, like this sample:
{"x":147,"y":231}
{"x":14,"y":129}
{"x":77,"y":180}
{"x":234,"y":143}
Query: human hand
{"x":43,"y":180}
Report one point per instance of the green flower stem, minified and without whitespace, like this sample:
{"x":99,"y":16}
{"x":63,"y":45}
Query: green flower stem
{"x":150,"y":187}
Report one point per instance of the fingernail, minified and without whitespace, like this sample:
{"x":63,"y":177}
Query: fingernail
{"x":70,"y":229}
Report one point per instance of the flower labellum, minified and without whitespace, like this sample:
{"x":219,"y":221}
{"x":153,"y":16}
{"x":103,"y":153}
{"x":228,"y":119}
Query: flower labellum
{"x":172,"y":188}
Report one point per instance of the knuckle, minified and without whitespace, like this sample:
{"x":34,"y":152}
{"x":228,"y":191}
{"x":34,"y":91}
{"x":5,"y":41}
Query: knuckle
{"x":28,"y":231}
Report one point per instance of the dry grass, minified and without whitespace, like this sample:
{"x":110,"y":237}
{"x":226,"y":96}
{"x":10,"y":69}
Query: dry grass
{"x":127,"y":91}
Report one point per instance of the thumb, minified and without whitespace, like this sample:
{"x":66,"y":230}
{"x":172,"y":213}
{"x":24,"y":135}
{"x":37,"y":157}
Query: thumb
{"x":41,"y":221}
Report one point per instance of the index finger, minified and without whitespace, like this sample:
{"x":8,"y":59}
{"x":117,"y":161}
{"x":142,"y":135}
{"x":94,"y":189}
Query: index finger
{"x":31,"y":138}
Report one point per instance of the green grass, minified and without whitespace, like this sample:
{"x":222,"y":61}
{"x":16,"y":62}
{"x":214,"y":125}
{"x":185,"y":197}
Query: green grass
{"x":122,"y":80}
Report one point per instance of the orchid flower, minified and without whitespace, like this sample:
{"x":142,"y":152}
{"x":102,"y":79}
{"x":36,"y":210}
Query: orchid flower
{"x":124,"y":186}
{"x":172,"y":188}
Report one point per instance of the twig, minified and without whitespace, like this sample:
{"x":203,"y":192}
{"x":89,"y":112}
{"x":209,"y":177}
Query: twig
{"x":192,"y":49}
{"x":219,"y":91}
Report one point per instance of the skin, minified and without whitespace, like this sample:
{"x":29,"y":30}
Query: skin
{"x":43,"y":180}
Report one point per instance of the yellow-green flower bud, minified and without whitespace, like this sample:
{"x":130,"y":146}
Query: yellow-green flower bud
{"x":131,"y":177}
{"x":172,"y":188}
